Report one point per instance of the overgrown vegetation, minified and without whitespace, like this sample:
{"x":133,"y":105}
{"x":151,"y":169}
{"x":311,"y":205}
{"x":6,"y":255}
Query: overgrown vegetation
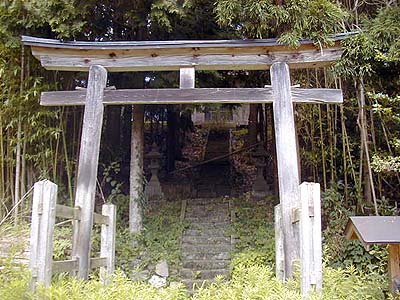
{"x":248,"y":282}
{"x":159,"y":240}
{"x":254,"y":233}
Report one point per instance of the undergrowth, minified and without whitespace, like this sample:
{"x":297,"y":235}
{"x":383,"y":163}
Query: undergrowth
{"x":252,"y":275}
{"x":254,"y":232}
{"x":159,"y":240}
{"x":247,"y":283}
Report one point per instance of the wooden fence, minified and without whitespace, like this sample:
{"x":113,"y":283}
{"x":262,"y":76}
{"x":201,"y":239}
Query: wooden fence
{"x":44,"y":213}
{"x":306,"y":219}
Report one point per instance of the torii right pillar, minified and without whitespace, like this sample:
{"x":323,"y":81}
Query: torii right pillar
{"x":288,"y":163}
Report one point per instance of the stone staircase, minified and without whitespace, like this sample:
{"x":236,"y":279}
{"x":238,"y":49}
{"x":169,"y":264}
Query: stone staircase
{"x":214,"y":178}
{"x":206,"y":245}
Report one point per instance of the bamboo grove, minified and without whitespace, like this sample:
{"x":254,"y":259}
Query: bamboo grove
{"x":354,"y":148}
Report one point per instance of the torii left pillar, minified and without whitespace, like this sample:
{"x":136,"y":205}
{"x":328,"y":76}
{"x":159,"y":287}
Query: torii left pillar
{"x":87,"y":168}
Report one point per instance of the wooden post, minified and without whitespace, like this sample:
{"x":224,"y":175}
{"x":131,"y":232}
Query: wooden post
{"x":286,"y":151}
{"x":310,"y":238}
{"x":42,"y":228}
{"x":136,"y":169}
{"x":394,"y":267}
{"x":279,"y":252}
{"x":186,"y":78}
{"x":87,"y":169}
{"x":107,"y":248}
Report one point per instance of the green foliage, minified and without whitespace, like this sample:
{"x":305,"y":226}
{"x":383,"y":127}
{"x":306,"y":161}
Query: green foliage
{"x":62,"y":242}
{"x":119,"y":288}
{"x":374,"y":47}
{"x":254,"y":233}
{"x":247,"y":283}
{"x":339,"y":252}
{"x":385,"y":31}
{"x":291,"y":21}
{"x":315,"y":20}
{"x":259,"y":282}
{"x":159,"y":239}
{"x":14,"y":280}
{"x":386,"y":160}
{"x":358,"y":58}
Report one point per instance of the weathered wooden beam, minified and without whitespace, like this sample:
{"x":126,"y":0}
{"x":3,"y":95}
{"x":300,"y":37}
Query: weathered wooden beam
{"x":191,"y":96}
{"x":107,"y":247}
{"x":98,"y":262}
{"x":187,"y":78}
{"x":100,"y":219}
{"x":297,"y":59}
{"x":287,"y":158}
{"x":66,"y":212}
{"x":65,"y":266}
{"x":279,"y":241}
{"x":87,"y":168}
{"x":310,"y":238}
{"x":42,"y":228}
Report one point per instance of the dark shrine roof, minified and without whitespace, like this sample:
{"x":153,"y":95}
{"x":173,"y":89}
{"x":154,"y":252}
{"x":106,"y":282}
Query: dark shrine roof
{"x":374,"y":229}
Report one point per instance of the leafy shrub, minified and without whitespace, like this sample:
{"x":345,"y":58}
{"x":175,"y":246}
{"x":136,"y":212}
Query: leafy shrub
{"x":259,"y":282}
{"x":254,"y":232}
{"x":14,"y":280}
{"x":247,"y":283}
{"x":159,"y":240}
{"x":339,"y":252}
{"x":62,"y":242}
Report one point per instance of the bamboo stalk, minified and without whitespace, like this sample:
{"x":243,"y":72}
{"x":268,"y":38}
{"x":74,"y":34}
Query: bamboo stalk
{"x":365,"y":142}
{"x":23,"y":168}
{"x":330,"y":121}
{"x":10,"y":159}
{"x":17,"y":171}
{"x":322,"y":146}
{"x":321,"y":135}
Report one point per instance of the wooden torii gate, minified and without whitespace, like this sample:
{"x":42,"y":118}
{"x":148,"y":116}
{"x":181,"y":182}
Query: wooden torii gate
{"x":186,"y":56}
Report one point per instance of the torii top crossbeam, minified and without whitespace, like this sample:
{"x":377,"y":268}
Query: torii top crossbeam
{"x":121,"y":56}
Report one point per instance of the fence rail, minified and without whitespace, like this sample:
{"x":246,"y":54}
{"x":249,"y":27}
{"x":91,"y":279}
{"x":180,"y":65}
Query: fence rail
{"x":44,"y":212}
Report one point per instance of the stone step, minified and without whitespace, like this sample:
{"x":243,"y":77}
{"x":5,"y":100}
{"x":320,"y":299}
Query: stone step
{"x":214,"y":240}
{"x":206,"y":207}
{"x":206,"y":248}
{"x":209,"y":225}
{"x":206,"y":194}
{"x":207,"y":201}
{"x":206,"y":211}
{"x":203,"y":274}
{"x":206,"y":232}
{"x":199,"y":264}
{"x":199,"y":256}
{"x":210,"y":219}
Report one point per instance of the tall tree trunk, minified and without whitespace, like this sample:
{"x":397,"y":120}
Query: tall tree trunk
{"x":261,"y":127}
{"x":172,"y":139}
{"x":136,"y":169}
{"x":252,"y":128}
